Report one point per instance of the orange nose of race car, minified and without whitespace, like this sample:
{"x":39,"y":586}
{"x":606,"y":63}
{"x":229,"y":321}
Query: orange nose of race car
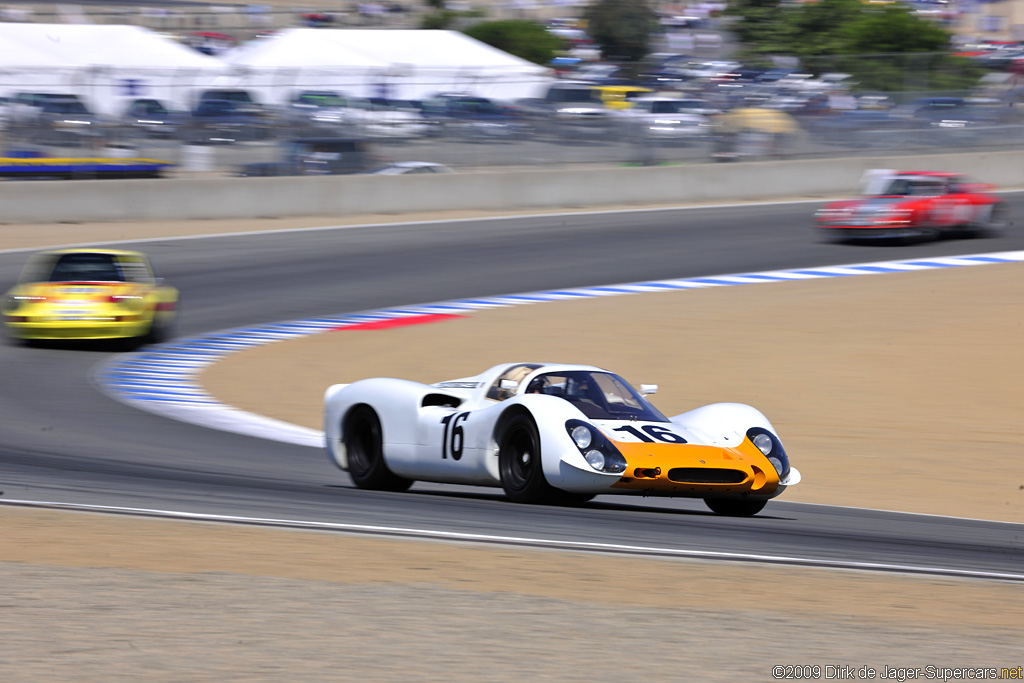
{"x":690,"y":469}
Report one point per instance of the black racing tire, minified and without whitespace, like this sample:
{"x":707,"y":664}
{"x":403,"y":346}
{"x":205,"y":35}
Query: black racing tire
{"x":736,"y":507}
{"x":125,"y":344}
{"x":519,"y":462}
{"x":159,"y":332}
{"x":364,"y":443}
{"x":829,"y":236}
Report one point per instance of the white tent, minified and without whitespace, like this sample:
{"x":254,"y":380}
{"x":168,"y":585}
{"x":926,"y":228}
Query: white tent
{"x":302,"y":59}
{"x":23,"y":68}
{"x":397,"y":64}
{"x":110,"y":64}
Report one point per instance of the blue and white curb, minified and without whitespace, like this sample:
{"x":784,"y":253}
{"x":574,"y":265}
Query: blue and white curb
{"x":164,"y":379}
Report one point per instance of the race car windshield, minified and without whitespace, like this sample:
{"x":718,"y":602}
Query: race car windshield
{"x":75,"y":267}
{"x":904,"y":187}
{"x":598,"y":395}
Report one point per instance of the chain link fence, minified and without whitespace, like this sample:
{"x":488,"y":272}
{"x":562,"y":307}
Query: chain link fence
{"x":226,"y":148}
{"x":506,"y":135}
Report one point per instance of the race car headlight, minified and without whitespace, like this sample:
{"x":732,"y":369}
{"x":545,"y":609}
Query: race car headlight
{"x":771,"y":447}
{"x":582,"y":436}
{"x":595,"y":459}
{"x":598,"y":451}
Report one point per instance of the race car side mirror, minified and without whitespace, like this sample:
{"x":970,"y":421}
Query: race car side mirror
{"x":647,"y":389}
{"x":509,"y":384}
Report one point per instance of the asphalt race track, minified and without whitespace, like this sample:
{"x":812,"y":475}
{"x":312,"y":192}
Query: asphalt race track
{"x":61,"y":440}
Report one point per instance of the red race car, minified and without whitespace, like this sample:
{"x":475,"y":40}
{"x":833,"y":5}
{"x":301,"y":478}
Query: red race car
{"x":908,"y":205}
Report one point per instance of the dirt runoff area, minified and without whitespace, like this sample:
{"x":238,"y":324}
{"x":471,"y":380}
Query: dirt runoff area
{"x":892,"y":391}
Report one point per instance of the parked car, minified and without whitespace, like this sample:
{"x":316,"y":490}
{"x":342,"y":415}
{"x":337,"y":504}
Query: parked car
{"x":233,"y":94}
{"x":317,"y":112}
{"x":66,"y":122}
{"x":51,"y":118}
{"x":386,"y":119}
{"x":329,"y":113}
{"x":666,"y":119}
{"x":149,"y":118}
{"x":599,"y":73}
{"x":25,"y":105}
{"x":707,"y":70}
{"x":316,"y":156}
{"x":226,"y":122}
{"x":569,"y":110}
{"x":620,"y":97}
{"x":470,"y":116}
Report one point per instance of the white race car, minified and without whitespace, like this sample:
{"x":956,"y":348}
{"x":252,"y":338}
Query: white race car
{"x":549,"y":433}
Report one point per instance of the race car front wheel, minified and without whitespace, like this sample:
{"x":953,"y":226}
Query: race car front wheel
{"x":735,"y":507}
{"x":364,"y":444}
{"x":519,"y":463}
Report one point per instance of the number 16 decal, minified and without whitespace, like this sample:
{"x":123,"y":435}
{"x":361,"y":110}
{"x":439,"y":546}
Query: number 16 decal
{"x":660,"y":433}
{"x":458,"y":435}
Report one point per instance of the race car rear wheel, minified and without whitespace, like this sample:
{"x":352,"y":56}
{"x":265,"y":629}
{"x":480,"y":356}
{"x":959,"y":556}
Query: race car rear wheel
{"x":994,"y":222}
{"x":364,"y":444}
{"x":519,"y":462}
{"x":735,"y":507}
{"x":161,"y":330}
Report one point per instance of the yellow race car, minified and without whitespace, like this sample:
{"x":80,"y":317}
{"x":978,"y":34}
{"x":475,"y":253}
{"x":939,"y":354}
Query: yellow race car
{"x":90,"y":294}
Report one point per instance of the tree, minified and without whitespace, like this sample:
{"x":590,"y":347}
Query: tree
{"x":438,"y":19}
{"x":833,"y":27}
{"x":526,"y":39}
{"x":885,"y":48}
{"x":757,"y":27}
{"x":621,"y":27}
{"x":893,"y":29}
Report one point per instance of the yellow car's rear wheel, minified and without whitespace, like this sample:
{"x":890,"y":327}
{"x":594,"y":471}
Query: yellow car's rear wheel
{"x":160,"y":331}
